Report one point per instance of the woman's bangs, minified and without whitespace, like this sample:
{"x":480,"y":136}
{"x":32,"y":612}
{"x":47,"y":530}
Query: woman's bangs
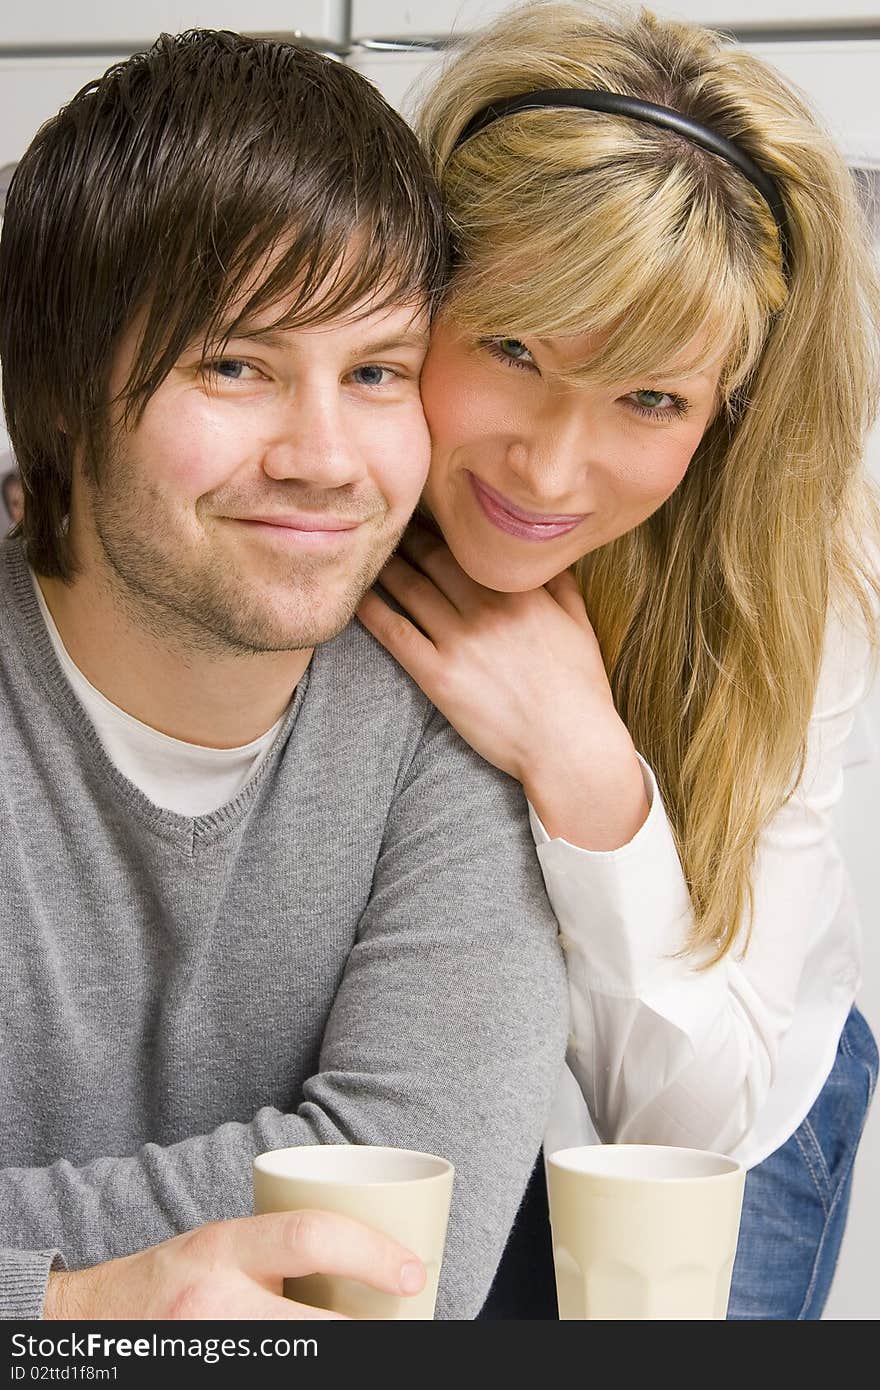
{"x":664,"y":304}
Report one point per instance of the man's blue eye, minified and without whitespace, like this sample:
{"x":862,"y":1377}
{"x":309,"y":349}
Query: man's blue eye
{"x":228,"y":367}
{"x":370,"y":375}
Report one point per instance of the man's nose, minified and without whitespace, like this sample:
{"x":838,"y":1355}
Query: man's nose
{"x":313,"y":442}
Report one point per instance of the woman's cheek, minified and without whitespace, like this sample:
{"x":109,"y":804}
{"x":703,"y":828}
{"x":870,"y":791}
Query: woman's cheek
{"x":668,"y":469}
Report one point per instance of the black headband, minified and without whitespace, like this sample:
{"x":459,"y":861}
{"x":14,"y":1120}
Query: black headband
{"x":640,"y":110}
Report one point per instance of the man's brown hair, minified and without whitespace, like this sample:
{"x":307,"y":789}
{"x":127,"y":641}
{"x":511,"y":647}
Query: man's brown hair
{"x":199,"y":184}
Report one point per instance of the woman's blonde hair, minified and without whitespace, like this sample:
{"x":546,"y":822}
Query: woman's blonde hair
{"x":711,"y":614}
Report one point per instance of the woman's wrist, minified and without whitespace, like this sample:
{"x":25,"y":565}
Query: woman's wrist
{"x":592,"y":794}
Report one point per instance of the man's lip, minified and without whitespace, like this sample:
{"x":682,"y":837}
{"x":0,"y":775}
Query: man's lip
{"x":304,"y":523}
{"x":531,"y":518}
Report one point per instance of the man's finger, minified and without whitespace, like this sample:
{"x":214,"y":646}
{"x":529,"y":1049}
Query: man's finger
{"x":270,"y":1307}
{"x":288,"y":1245}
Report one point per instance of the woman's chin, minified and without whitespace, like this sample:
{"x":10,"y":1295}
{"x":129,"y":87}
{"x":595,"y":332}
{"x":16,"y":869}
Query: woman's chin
{"x":505,"y":576}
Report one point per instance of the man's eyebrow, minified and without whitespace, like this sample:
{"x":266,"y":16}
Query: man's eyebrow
{"x":272,"y":337}
{"x":276,"y":338}
{"x":397,"y":340}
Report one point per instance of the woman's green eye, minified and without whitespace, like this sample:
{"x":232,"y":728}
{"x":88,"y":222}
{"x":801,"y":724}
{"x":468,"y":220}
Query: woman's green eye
{"x":510,"y":351}
{"x":658,"y":405}
{"x":512,"y":347}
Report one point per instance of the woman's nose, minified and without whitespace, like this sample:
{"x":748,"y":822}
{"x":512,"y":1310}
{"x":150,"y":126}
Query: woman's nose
{"x":553,"y":457}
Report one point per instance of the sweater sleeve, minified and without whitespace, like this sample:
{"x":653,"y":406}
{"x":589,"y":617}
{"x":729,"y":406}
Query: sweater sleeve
{"x":24,"y":1275}
{"x":447,"y":1034}
{"x":666,"y":1053}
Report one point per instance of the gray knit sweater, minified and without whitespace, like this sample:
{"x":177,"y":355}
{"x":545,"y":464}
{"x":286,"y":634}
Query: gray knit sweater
{"x":357,"y":948}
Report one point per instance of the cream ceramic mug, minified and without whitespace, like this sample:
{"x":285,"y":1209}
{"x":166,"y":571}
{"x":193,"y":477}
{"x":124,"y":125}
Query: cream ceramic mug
{"x":402,"y":1192}
{"x":643,"y":1231}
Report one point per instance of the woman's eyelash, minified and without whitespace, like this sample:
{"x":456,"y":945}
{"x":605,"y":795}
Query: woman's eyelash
{"x":493,"y":347}
{"x":677,"y":410}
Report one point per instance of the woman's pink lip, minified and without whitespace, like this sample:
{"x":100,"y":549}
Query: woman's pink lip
{"x":534,"y":517}
{"x":514,"y":522}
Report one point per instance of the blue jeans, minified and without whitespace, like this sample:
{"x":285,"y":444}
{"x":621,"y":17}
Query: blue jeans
{"x":794,"y":1210}
{"x":795,"y":1202}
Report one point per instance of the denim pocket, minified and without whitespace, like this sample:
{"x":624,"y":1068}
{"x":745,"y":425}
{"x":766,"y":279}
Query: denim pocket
{"x":858,"y":1042}
{"x":796,"y":1201}
{"x":830,"y":1134}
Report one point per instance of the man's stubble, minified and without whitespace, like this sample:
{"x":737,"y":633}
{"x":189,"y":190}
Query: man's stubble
{"x":203,"y":601}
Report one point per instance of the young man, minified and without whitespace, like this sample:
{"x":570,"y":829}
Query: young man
{"x":256,"y":892}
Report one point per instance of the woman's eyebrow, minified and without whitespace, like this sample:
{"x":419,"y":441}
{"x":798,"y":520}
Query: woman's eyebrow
{"x":671,"y":372}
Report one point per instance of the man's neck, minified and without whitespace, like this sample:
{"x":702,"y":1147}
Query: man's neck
{"x":215,"y":700}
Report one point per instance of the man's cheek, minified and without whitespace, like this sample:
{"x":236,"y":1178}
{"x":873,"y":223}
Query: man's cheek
{"x":420,"y":454}
{"x":406,"y":477}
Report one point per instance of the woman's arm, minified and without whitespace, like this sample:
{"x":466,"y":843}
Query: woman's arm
{"x":666,"y":1053}
{"x":663,"y":1052}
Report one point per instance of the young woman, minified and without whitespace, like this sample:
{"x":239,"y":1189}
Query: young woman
{"x":656,"y":602}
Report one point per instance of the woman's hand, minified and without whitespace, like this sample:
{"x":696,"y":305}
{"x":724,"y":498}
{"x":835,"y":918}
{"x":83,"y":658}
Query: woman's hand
{"x":521,"y":678}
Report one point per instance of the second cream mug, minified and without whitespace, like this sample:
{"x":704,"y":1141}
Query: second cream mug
{"x":643,"y":1231}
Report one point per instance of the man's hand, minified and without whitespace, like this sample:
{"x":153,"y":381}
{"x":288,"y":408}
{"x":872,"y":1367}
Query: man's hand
{"x":235,"y":1269}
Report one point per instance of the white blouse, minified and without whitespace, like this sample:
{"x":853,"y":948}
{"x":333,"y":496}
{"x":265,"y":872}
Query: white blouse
{"x":730,"y":1058}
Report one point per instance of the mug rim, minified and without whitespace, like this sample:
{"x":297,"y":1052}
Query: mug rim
{"x":263,"y":1163}
{"x":566,"y":1161}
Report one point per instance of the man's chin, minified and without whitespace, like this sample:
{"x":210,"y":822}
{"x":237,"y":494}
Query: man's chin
{"x":304,"y":611}
{"x":298,"y":633}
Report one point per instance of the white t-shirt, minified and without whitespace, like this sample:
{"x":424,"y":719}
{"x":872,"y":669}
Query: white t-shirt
{"x":733,"y":1057}
{"x":178,"y":776}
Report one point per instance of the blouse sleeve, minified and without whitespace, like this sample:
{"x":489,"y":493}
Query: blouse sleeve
{"x":665,"y":1053}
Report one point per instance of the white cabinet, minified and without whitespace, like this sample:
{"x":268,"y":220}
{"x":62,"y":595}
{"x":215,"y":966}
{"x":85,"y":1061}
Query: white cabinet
{"x":400,"y":77}
{"x":33,"y":89}
{"x":840,"y":79}
{"x":795,"y":14}
{"x":37,"y":76}
{"x":101,"y":23}
{"x":410,"y":19}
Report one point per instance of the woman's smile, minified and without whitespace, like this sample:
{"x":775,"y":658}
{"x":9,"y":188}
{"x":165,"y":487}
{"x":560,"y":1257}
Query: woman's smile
{"x":529,"y":526}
